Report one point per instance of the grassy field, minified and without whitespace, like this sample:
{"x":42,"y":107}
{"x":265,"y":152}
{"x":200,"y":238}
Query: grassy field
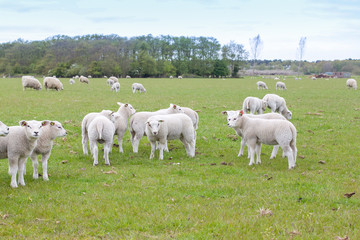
{"x":215,"y":195}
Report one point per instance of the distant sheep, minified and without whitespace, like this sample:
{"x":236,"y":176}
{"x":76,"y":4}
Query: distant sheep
{"x":276,"y":78}
{"x":4,"y":130}
{"x":261,"y":85}
{"x":71,"y":81}
{"x":53,"y":83}
{"x":115,"y":87}
{"x":277,"y":104}
{"x":30,"y":82}
{"x":351,"y":83}
{"x":83,"y":79}
{"x":254,"y":105}
{"x":313,"y":78}
{"x":109,"y":82}
{"x":115,"y":79}
{"x":180,"y":77}
{"x":280,"y":86}
{"x":171,"y":77}
{"x":127,"y":76}
{"x":138,"y":87}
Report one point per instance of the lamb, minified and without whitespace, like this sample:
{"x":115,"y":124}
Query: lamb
{"x":171,"y":77}
{"x":277,"y":104}
{"x":138,"y":87}
{"x":53,"y":83}
{"x":180,"y":77}
{"x":137,"y":123}
{"x":266,"y":131}
{"x":116,"y":87}
{"x":261,"y":85}
{"x":4,"y":130}
{"x":71,"y":81}
{"x":109,"y":82}
{"x":101,"y":130}
{"x":50,"y":131}
{"x":17,"y":147}
{"x":254,"y":105}
{"x":168,"y":127}
{"x":280,"y":86}
{"x":30,"y":82}
{"x":85,"y":126}
{"x":83,"y":79}
{"x":127,"y":76}
{"x":351,"y":83}
{"x":115,"y":79}
{"x":120,"y":120}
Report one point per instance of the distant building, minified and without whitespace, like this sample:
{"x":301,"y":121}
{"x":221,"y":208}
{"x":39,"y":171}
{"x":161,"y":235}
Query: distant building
{"x":338,"y":74}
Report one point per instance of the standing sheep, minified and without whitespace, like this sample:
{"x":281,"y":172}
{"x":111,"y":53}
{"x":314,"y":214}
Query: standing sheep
{"x":115,"y":87}
{"x":127,"y":76}
{"x":71,"y":81}
{"x":351,"y":83}
{"x":17,"y":147}
{"x":53,"y":83}
{"x":137,"y":123}
{"x":114,"y":79}
{"x":138,"y":87}
{"x":30,"y":82}
{"x":261,"y":85}
{"x":280,"y":86}
{"x":50,"y":131}
{"x":168,"y":127}
{"x":101,"y":130}
{"x":83,"y":79}
{"x":254,"y":105}
{"x":4,"y":130}
{"x":109,"y":82}
{"x":277,"y":104}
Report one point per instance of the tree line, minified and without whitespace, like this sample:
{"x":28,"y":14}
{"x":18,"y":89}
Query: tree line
{"x":143,"y":56}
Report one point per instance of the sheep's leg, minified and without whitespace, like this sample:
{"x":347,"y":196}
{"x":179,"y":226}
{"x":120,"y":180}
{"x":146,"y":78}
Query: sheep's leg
{"x":274,"y":151}
{"x":258,"y":153}
{"x":161,"y":150}
{"x":21,"y":165}
{"x":192,"y":148}
{"x":289,"y":153}
{"x":94,"y":150}
{"x":166,"y":149}
{"x":35,"y":164}
{"x":294,"y":150}
{"x":251,"y":147}
{"x":136,"y":141}
{"x":85,"y":140}
{"x":13,"y":169}
{"x":44,"y":159}
{"x":120,"y":141}
{"x":152,"y":153}
{"x":242,"y":146}
{"x":107,"y":149}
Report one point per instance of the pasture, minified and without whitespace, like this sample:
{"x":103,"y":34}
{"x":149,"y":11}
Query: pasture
{"x":214,"y":195}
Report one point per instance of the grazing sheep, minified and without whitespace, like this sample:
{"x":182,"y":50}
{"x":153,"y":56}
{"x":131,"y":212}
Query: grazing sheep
{"x":115,"y":79}
{"x":266,"y":131}
{"x":71,"y":81}
{"x":53,"y":83}
{"x":30,"y":82}
{"x":280,"y":86}
{"x":76,"y":77}
{"x":89,"y":76}
{"x":261,"y":85}
{"x":137,"y":123}
{"x":83,"y":79}
{"x":276,"y":78}
{"x":138,"y":87}
{"x":120,"y":120}
{"x":168,"y":127}
{"x":313,"y":78}
{"x":17,"y":147}
{"x":171,"y":77}
{"x":254,"y":105}
{"x":180,"y":77}
{"x":4,"y":130}
{"x":50,"y":131}
{"x":109,"y":82}
{"x":277,"y":104}
{"x":116,"y":87}
{"x":351,"y":83}
{"x":127,"y":76}
{"x":85,"y":126}
{"x":101,"y":130}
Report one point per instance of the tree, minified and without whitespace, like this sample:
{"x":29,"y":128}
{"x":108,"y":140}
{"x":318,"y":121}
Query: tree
{"x":235,"y":54}
{"x":300,"y":51}
{"x":256,"y":45}
{"x":220,"y":68}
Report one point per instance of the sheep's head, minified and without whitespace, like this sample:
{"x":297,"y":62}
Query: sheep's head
{"x":4,"y":130}
{"x":287,"y":114}
{"x":57,"y":129}
{"x":232,"y":120}
{"x":176,"y":108}
{"x":32,"y":128}
{"x":154,"y":126}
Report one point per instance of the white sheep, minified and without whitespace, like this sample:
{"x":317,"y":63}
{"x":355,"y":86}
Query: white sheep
{"x":4,"y":130}
{"x":115,"y":87}
{"x":109,"y":82}
{"x":138,"y":87}
{"x":171,"y":77}
{"x":83,"y":79}
{"x":266,"y":131}
{"x":85,"y":126}
{"x":351,"y":83}
{"x":127,"y":76}
{"x":30,"y":82}
{"x":138,"y":120}
{"x":261,"y":85}
{"x":280,"y":86}
{"x":115,"y":79}
{"x":276,"y":78}
{"x":254,"y":105}
{"x":89,"y":76}
{"x":71,"y":81}
{"x":277,"y":104}
{"x":101,"y":130}
{"x":313,"y":78}
{"x":180,"y":77}
{"x":50,"y":131}
{"x":76,"y":77}
{"x":53,"y":83}
{"x":17,"y":147}
{"x":168,"y":127}
{"x":120,"y":120}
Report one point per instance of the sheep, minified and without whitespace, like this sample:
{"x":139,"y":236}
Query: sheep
{"x":53,"y":83}
{"x":254,"y":105}
{"x":115,"y":79}
{"x":171,"y":77}
{"x":4,"y":130}
{"x":277,"y":104}
{"x":101,"y":130}
{"x":313,"y":78}
{"x":116,"y":87}
{"x":71,"y":81}
{"x":83,"y":79}
{"x":109,"y":82}
{"x":138,"y":87}
{"x":137,"y":123}
{"x":180,"y":77}
{"x":89,"y":76}
{"x":127,"y":76}
{"x":351,"y":83}
{"x":30,"y":82}
{"x":17,"y":147}
{"x":280,"y":86}
{"x":276,"y":78}
{"x":168,"y":127}
{"x":50,"y":131}
{"x":266,"y":131}
{"x":85,"y":126}
{"x":261,"y":85}
{"x":120,"y":120}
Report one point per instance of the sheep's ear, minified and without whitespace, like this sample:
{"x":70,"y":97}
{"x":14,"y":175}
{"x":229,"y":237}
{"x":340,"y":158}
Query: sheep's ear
{"x":46,"y":122}
{"x":241,"y":112}
{"x":174,"y":106}
{"x":111,"y":113}
{"x":224,"y":112}
{"x":119,"y":103}
{"x":161,"y":121}
{"x":23,"y":123}
{"x":126,"y":104}
{"x":52,"y":123}
{"x":148,"y":123}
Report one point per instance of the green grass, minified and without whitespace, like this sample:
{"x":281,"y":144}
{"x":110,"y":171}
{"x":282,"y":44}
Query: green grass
{"x":195,"y":199}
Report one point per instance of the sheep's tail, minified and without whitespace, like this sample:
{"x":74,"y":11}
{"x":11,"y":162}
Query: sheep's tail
{"x":293,"y":131}
{"x":99,"y":129}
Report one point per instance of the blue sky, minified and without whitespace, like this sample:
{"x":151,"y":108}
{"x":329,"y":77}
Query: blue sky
{"x":332,"y":28}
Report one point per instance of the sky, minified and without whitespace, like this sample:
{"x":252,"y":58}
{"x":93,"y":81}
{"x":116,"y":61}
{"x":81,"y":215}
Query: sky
{"x":331,"y":28}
